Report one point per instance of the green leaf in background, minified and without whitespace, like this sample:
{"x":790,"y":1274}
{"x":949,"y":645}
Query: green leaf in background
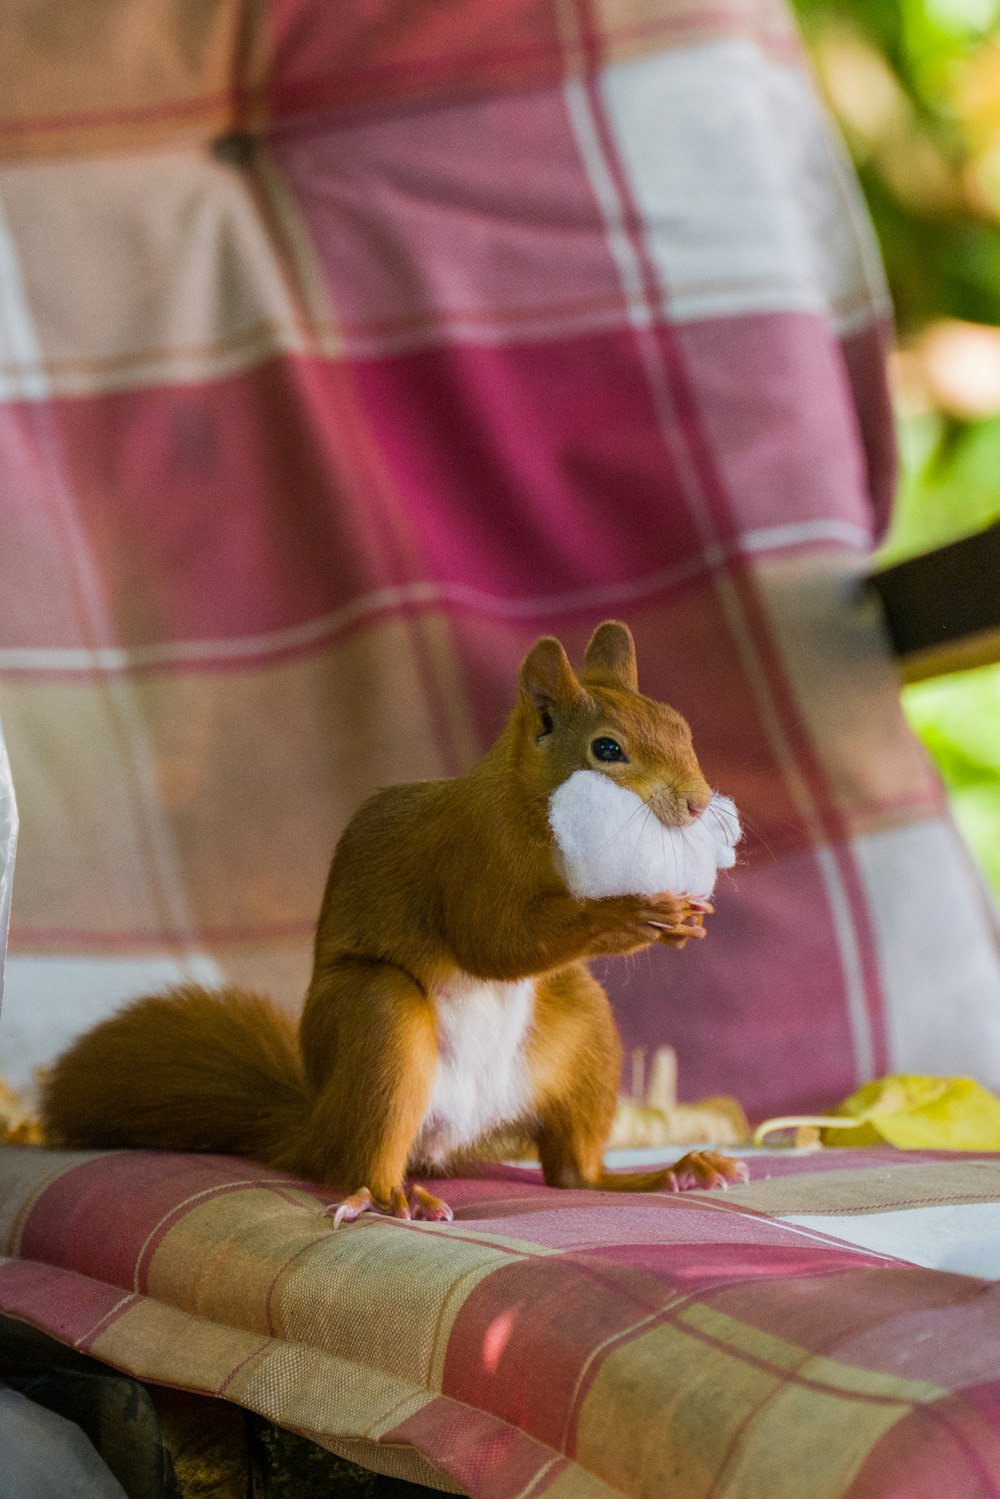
{"x":958,"y":718}
{"x":949,"y":482}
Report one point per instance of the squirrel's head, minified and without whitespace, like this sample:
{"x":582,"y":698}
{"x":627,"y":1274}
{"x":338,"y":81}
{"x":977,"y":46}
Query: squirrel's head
{"x":600,"y":721}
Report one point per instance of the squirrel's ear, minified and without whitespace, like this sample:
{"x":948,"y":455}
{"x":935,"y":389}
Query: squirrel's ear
{"x":546,"y":677}
{"x":611,"y":655}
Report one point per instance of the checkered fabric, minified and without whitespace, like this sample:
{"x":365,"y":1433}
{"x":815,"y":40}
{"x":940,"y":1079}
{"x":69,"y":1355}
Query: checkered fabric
{"x":344,"y":349}
{"x":808,"y":1334}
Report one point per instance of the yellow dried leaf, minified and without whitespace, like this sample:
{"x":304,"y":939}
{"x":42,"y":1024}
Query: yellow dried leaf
{"x":922,"y":1113}
{"x":912,"y":1113}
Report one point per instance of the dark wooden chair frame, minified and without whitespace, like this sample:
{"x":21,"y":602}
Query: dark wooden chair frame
{"x":943,"y":607}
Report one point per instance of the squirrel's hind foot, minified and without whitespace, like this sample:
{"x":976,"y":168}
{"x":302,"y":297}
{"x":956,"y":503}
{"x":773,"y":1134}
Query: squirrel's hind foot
{"x":702,"y":1169}
{"x":416,"y":1203}
{"x":425,"y":1205}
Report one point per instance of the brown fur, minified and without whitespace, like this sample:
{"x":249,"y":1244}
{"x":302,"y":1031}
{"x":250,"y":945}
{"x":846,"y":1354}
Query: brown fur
{"x":427,"y":879}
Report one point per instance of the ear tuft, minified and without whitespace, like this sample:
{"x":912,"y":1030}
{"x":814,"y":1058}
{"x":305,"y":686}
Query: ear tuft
{"x":611,"y":655}
{"x":546,"y":677}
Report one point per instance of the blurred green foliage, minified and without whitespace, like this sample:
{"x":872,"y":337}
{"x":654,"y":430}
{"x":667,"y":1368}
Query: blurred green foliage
{"x":915,"y":86}
{"x":958,"y":718}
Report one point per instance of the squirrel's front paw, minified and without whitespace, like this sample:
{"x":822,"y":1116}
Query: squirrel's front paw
{"x":701,"y":1169}
{"x":683,"y":917}
{"x":416,"y":1203}
{"x":667,"y":918}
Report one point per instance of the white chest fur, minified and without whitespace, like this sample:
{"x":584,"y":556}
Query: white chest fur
{"x":482,"y":1076}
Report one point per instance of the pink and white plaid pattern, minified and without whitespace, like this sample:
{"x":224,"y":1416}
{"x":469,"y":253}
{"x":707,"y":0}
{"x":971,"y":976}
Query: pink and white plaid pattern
{"x":347,"y":348}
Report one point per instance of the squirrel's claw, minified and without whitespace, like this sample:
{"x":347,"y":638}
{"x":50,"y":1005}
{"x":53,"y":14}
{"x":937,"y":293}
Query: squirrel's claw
{"x":683,"y":918}
{"x":425,"y":1205}
{"x":352,"y":1207}
{"x":417,"y":1203}
{"x":362,"y":1201}
{"x":700,"y":1170}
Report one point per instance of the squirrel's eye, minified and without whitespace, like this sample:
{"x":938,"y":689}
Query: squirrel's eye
{"x":608,"y":749}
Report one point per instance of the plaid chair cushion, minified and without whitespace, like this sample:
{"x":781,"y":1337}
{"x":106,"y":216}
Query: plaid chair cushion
{"x":830,"y":1329}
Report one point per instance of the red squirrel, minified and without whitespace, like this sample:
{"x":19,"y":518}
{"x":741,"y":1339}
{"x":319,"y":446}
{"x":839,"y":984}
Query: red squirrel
{"x":450,"y":998}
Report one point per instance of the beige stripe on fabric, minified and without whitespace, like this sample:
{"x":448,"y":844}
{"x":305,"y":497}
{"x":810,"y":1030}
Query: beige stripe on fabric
{"x":157,"y":1342}
{"x":190,"y":285}
{"x":84,"y":859}
{"x":413,"y":1340}
{"x":310,"y":1391}
{"x":878,"y":1189}
{"x":278,"y":1267}
{"x":218,"y":1252}
{"x":256,"y":772}
{"x":667,"y":1412}
{"x":830,"y":631}
{"x":313,"y":1391}
{"x":85,"y":77}
{"x":572,"y":1482}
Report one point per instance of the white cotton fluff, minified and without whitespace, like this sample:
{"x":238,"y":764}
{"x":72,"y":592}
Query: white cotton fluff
{"x":612,"y":843}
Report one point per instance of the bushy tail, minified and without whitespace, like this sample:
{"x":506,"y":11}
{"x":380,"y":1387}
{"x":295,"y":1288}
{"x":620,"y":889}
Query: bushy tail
{"x":184,"y":1070}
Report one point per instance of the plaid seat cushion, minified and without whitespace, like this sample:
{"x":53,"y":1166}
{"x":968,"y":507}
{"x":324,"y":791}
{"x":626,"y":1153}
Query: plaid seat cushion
{"x":832,"y":1329}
